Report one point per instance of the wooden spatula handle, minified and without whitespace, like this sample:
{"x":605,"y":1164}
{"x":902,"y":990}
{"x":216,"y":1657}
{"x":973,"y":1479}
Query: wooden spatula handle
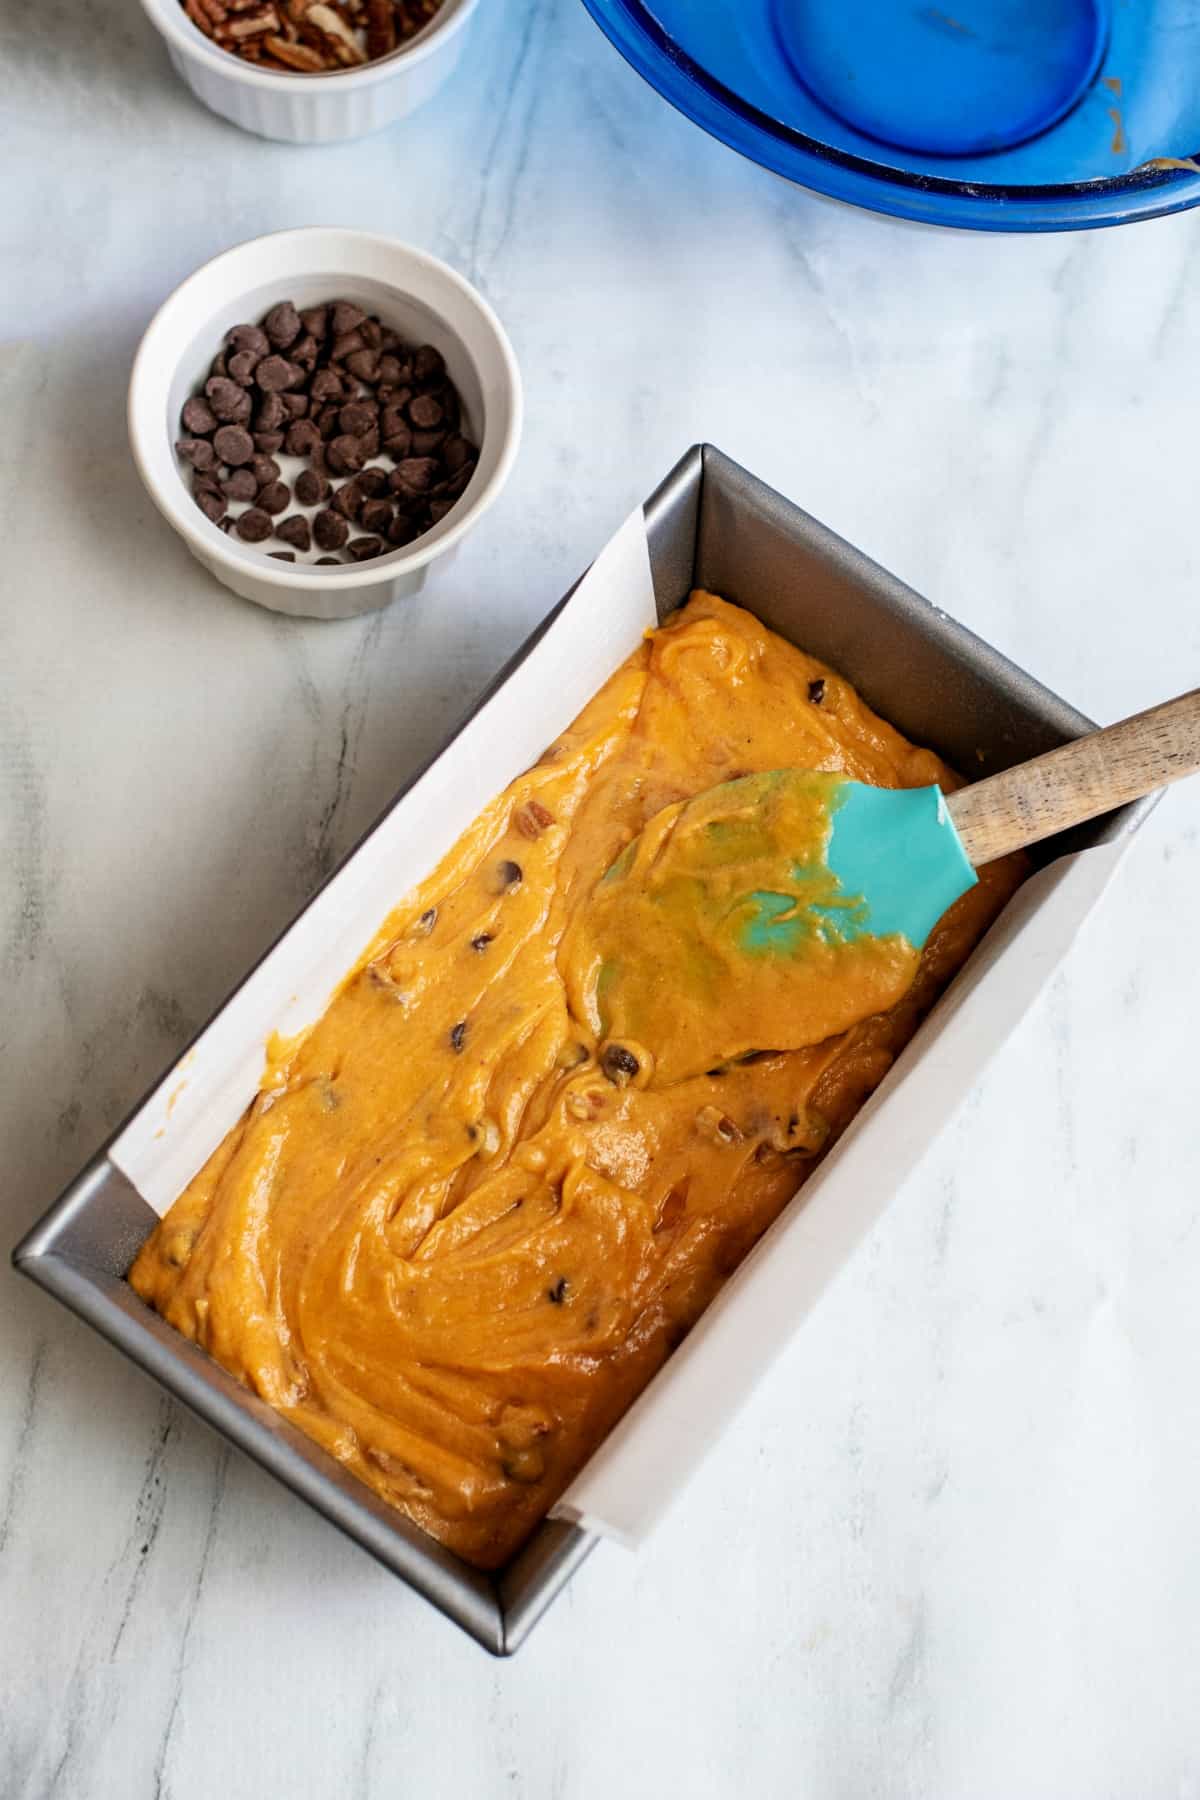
{"x":1081,"y":780}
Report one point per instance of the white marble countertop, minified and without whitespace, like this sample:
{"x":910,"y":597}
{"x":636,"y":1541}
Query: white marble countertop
{"x":951,"y":1547}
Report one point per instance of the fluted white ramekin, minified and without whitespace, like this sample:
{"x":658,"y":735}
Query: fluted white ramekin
{"x":422,"y":298}
{"x":313,"y":109}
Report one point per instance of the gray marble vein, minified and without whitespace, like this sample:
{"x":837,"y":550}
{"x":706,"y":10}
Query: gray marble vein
{"x":18,"y":1463}
{"x":948,"y":1550}
{"x":162,"y":1785}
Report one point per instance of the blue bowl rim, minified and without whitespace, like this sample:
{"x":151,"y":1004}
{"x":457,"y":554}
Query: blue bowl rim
{"x":1171,"y":189}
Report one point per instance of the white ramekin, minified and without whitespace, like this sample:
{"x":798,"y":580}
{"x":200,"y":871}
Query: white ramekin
{"x":313,"y":109}
{"x":422,"y":298}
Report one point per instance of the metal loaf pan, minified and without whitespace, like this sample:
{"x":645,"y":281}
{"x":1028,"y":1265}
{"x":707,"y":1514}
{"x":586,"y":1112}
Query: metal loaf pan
{"x":710,"y":524}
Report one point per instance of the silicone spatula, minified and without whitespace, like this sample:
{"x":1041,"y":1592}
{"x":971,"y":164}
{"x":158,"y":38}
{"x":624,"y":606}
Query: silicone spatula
{"x":773,"y":911}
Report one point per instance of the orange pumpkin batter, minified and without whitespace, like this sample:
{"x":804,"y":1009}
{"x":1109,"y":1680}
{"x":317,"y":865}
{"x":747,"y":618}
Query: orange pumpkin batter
{"x":442,"y":1241}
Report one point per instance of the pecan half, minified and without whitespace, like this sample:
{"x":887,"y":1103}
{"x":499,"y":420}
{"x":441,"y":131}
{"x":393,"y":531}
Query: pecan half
{"x":717,"y":1126}
{"x":250,"y":25}
{"x":381,"y":28}
{"x":339,"y":35}
{"x":532,"y":819}
{"x":301,"y":57}
{"x":198,"y":16}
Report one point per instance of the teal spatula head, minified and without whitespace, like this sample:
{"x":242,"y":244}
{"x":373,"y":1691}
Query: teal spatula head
{"x":896,"y":848}
{"x":771,"y":912}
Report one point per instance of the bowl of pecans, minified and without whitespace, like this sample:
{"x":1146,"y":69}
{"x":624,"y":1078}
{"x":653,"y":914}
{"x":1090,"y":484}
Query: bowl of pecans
{"x":312,"y":71}
{"x":322,"y":415}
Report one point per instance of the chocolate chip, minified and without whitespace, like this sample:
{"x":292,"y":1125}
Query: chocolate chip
{"x":439,"y":508}
{"x":295,"y":531}
{"x":210,"y":504}
{"x":347,"y":343}
{"x":365,"y":364}
{"x":456,"y":452}
{"x":274,"y":497}
{"x":372,"y":330}
{"x":327,"y":421}
{"x":198,"y":417}
{"x":230,"y":403}
{"x":399,"y":444}
{"x":816,"y":690}
{"x":327,"y":561}
{"x":282,"y":555}
{"x":428,"y":364}
{"x":304,"y":351}
{"x":424,"y":443}
{"x":326,"y":385}
{"x":458,"y":482}
{"x":330,"y":530}
{"x":275,"y":373}
{"x":219,"y":366}
{"x":296,"y":405}
{"x":558,"y":1293}
{"x":394,"y":417}
{"x":372,"y":482}
{"x":311,"y":488}
{"x":346,"y":453}
{"x":458,"y":1036}
{"x":346,"y":317}
{"x":315,"y":320}
{"x":376,"y":515}
{"x":242,"y":366}
{"x":415,"y":474}
{"x":392,"y":372}
{"x":197,"y":451}
{"x":349,"y":499}
{"x":364,"y":548}
{"x":271,"y":413}
{"x":402,"y":530}
{"x":618,"y":1063}
{"x":268,"y":442}
{"x":240,"y":485}
{"x":425,"y":412}
{"x":234,"y":445}
{"x":282,"y":325}
{"x":266,"y":470}
{"x":357,"y":416}
{"x":253,"y":526}
{"x":248,"y":337}
{"x":302,"y":437}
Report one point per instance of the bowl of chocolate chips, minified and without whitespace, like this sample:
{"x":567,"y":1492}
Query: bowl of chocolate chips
{"x":323,"y":415}
{"x":312,"y":71}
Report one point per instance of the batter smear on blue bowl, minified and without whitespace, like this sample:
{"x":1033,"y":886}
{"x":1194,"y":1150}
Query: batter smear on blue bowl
{"x":469,"y":1215}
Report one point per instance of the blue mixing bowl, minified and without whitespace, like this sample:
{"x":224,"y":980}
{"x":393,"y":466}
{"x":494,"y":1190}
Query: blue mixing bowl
{"x":1002,"y":115}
